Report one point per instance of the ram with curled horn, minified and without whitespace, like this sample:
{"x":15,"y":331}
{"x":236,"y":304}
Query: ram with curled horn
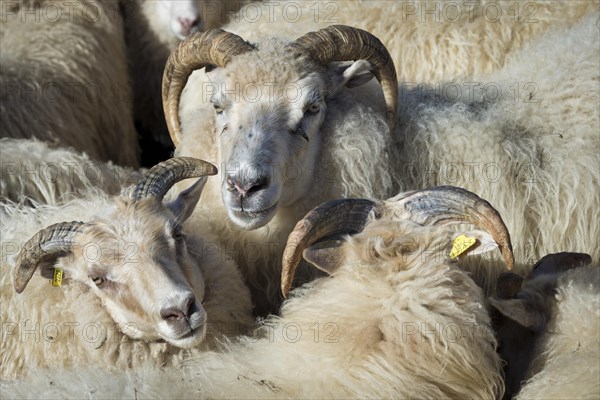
{"x":279,"y":107}
{"x":317,"y":237}
{"x":133,"y":263}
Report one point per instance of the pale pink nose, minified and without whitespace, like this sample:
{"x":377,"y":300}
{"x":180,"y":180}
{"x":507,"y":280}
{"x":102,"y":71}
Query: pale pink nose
{"x":246,"y":186}
{"x":186,"y":24}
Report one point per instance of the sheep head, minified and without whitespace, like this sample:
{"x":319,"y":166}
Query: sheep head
{"x":133,"y":256}
{"x":524,"y":306}
{"x":319,"y":237}
{"x":270,"y":105}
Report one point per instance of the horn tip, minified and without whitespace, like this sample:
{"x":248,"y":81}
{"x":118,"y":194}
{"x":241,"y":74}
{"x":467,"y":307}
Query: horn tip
{"x":285,"y":290}
{"x":19,"y":285}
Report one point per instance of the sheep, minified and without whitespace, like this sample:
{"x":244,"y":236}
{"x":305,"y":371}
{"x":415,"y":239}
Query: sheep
{"x":136,"y":287}
{"x":291,"y":129}
{"x":547,"y":328}
{"x":36,"y":172}
{"x":397,"y":318}
{"x":64,"y":77}
{"x":280,"y":203}
{"x":431,"y":41}
{"x":152,"y":31}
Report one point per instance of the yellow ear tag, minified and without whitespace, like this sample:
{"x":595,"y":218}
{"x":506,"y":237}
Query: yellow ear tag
{"x":57,"y":277}
{"x":461,"y":244}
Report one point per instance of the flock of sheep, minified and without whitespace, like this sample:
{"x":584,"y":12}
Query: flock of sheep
{"x":475,"y":150}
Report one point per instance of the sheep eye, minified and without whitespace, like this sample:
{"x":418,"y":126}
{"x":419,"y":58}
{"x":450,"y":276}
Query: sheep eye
{"x":218,"y":109}
{"x":302,"y":134}
{"x":177,"y":234}
{"x":98,"y":281}
{"x":313,"y":108}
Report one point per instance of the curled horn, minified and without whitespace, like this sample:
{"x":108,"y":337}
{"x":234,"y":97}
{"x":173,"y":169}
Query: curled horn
{"x":442,"y":205}
{"x":343,"y":43}
{"x":160,"y":178}
{"x":435,"y":206}
{"x":44,"y":248}
{"x":335,"y":217}
{"x":213,"y":47}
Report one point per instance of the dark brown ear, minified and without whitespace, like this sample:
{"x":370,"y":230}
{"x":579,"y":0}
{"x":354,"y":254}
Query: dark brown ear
{"x":559,"y":262}
{"x":327,"y":255}
{"x":508,"y":285}
{"x":519,"y":311}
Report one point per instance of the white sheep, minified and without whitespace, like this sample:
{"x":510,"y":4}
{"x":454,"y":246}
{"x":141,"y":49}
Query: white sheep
{"x":396,"y":319}
{"x":549,"y":329}
{"x":135,"y":287}
{"x":288,"y":132}
{"x":32,"y":170}
{"x":64,"y":77}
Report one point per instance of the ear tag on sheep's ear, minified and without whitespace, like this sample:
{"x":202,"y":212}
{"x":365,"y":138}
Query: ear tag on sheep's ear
{"x":461,"y":244}
{"x":57,"y":277}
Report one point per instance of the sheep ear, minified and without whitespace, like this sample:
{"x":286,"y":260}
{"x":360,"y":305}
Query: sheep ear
{"x":186,"y":201}
{"x":472,"y":242}
{"x":559,"y":263}
{"x":508,"y":285}
{"x":518,"y":311}
{"x":357,"y":74}
{"x":327,"y":255}
{"x":353,"y":75}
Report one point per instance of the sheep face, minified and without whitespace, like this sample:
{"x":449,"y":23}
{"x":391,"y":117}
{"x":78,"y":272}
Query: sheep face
{"x":271,"y":102}
{"x":270,"y":106}
{"x":182,"y":16}
{"x":134,"y":258}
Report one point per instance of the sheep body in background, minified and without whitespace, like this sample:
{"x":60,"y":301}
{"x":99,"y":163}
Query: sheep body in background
{"x":35,"y":170}
{"x":525,"y":138}
{"x":64,"y":77}
{"x":135,"y":288}
{"x":430,"y":41}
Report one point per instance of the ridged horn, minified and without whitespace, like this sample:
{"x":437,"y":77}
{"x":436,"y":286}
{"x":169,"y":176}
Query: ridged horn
{"x":44,"y":248}
{"x":159,"y":179}
{"x":335,"y":217}
{"x":344,"y":43}
{"x":442,"y":205}
{"x":213,"y":47}
{"x":435,"y":206}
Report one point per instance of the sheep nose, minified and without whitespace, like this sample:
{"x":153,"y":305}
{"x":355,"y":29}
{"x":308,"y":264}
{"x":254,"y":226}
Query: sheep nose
{"x":187,"y":24}
{"x":178,"y":312}
{"x":244,"y":187}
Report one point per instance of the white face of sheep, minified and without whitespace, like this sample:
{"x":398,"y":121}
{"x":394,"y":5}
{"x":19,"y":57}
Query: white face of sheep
{"x":270,"y":106}
{"x":182,"y":16}
{"x":133,"y":256}
{"x":269,"y":131}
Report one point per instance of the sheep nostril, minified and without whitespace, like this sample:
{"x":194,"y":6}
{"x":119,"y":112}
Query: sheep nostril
{"x":172,"y":313}
{"x":180,"y":312}
{"x":257,"y":185}
{"x":189,"y":306}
